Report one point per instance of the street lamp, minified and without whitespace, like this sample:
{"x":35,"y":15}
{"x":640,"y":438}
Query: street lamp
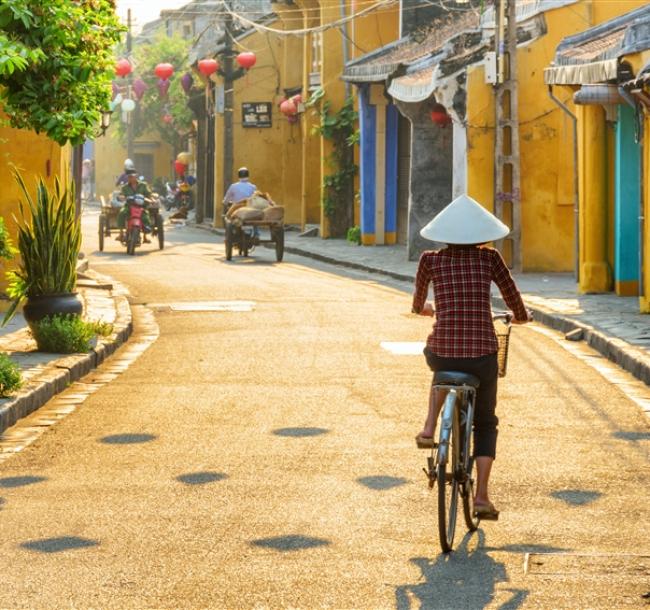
{"x":106,"y":121}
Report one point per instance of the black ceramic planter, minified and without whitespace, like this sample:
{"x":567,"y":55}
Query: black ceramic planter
{"x":37,"y":308}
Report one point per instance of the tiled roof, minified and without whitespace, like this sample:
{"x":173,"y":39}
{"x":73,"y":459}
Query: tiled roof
{"x":592,"y":56}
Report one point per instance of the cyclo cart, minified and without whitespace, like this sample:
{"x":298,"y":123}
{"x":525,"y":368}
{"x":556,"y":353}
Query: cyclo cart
{"x":110,"y":210}
{"x":240,"y":231}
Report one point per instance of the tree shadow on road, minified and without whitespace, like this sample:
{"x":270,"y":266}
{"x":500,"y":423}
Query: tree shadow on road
{"x":465,"y":578}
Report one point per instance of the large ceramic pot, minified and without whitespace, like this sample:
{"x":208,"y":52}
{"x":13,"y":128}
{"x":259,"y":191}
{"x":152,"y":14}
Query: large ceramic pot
{"x":37,"y":308}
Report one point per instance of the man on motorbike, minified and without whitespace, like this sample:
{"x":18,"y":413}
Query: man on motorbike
{"x":131,"y":188}
{"x":128,"y":166}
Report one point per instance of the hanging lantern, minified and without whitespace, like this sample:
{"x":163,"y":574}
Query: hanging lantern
{"x":246,"y":59}
{"x":186,"y":82}
{"x":139,"y":87}
{"x":163,"y":87}
{"x":167,"y":118}
{"x":164,"y":71}
{"x":208,"y":66}
{"x":288,"y":108}
{"x":123,"y":68}
{"x":439,"y":116}
{"x":128,"y":105}
{"x":180,"y":168}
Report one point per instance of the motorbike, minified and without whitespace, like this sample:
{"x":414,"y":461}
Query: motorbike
{"x":134,"y":223}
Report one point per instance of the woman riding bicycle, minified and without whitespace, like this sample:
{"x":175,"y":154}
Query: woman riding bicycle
{"x":463,"y":337}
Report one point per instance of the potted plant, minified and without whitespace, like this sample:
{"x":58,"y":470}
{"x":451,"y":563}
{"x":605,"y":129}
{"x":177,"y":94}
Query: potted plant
{"x":49,"y":239}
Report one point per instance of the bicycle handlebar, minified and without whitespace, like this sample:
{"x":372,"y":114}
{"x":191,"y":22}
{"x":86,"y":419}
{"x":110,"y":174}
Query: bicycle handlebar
{"x":506,"y":316}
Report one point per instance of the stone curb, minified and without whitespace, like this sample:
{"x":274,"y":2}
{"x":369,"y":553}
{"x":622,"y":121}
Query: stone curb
{"x":60,"y":373}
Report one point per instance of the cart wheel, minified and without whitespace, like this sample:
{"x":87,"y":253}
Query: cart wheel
{"x":160,"y":231}
{"x":229,"y":242}
{"x":279,"y":243}
{"x":243,"y":243}
{"x":102,"y":230}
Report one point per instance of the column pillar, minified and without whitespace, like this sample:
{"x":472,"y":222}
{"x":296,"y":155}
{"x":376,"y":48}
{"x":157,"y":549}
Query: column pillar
{"x":595,"y":272}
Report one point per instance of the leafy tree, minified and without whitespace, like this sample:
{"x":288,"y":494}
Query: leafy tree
{"x":56,"y":65}
{"x":151,"y":109}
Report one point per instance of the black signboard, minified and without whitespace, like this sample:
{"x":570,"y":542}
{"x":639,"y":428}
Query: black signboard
{"x":256,"y":114}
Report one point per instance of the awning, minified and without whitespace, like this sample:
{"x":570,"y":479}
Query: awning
{"x":414,"y":88}
{"x":593,"y":56}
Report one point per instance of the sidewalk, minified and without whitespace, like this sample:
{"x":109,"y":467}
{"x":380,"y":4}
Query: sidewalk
{"x":45,"y":375}
{"x":610,"y":324}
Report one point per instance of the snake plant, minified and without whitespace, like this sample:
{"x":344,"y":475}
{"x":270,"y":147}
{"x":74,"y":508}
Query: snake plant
{"x":49,"y":239}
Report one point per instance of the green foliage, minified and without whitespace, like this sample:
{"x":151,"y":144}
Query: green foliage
{"x":11,"y":377}
{"x":7,"y":250}
{"x":67,"y":334}
{"x":49,"y":238}
{"x":151,"y":108}
{"x":354,"y":235}
{"x":340,"y":129}
{"x":56,"y":65}
{"x":62,"y":334}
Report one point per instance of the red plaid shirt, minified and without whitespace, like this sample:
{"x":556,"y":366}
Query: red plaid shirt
{"x":461,"y":279}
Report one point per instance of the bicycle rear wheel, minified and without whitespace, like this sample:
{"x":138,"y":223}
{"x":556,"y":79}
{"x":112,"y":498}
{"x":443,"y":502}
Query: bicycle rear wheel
{"x":449,"y":485}
{"x":469,"y":470}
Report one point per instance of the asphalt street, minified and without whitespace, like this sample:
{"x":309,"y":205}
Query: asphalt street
{"x":255,"y":450}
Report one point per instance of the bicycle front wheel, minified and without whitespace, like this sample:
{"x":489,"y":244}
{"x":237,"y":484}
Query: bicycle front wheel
{"x":449,"y":488}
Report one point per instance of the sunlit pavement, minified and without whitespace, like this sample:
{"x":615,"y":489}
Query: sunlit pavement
{"x":263,"y":456}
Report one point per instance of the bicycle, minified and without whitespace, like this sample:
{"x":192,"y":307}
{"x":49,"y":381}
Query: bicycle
{"x":451,"y":464}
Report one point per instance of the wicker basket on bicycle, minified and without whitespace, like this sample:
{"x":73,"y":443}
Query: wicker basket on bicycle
{"x":503,"y":338}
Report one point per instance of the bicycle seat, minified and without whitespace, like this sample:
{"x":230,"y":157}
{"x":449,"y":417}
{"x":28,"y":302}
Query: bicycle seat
{"x":456,"y":378}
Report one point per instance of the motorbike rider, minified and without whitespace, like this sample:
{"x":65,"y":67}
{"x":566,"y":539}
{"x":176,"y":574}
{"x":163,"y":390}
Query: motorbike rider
{"x":133,"y":187}
{"x":128,"y":166}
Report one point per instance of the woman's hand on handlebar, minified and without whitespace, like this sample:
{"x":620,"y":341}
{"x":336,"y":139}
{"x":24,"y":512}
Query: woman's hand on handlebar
{"x":529,"y":319}
{"x":427,"y":310}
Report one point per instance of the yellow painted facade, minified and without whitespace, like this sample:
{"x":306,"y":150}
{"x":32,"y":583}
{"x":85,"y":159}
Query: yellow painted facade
{"x":289,"y":160}
{"x":35,"y":156}
{"x":110,"y":154}
{"x":546,"y":141}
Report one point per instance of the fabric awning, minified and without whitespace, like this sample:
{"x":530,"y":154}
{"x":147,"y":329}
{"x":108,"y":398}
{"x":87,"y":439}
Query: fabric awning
{"x":593,"y":55}
{"x":582,"y":74}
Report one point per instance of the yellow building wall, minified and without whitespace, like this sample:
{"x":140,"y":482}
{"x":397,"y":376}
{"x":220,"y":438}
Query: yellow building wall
{"x":35,"y":156}
{"x":110,"y":155}
{"x":546,"y":141}
{"x":272,"y":154}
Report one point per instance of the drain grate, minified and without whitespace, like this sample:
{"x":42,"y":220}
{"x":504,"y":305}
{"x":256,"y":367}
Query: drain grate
{"x":403,"y":348}
{"x":198,"y":306}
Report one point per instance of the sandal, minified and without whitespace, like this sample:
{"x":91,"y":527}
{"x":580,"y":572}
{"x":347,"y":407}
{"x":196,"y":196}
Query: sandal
{"x":425,"y":442}
{"x":486,"y":512}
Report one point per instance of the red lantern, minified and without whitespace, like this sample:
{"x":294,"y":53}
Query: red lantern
{"x":164,"y":71}
{"x":168,"y":118}
{"x":288,"y":108}
{"x":208,"y":66}
{"x":439,"y":116}
{"x":123,"y":67}
{"x":180,"y":168}
{"x":246,"y":59}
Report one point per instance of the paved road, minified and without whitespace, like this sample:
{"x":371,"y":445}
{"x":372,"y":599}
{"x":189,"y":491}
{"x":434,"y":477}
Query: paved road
{"x":264,"y":459}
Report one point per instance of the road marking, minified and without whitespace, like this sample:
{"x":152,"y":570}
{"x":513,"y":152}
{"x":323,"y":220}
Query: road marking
{"x":403,"y":348}
{"x":206,"y":306}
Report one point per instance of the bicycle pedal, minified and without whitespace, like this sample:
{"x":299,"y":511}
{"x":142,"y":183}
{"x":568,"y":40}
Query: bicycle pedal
{"x":431,"y":479}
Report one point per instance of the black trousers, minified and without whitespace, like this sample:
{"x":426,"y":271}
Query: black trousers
{"x":486,"y":368}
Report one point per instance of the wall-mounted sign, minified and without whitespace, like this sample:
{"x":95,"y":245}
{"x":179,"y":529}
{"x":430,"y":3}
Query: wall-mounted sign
{"x":256,"y":114}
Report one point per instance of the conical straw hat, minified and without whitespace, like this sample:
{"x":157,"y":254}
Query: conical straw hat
{"x":464,"y":221}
